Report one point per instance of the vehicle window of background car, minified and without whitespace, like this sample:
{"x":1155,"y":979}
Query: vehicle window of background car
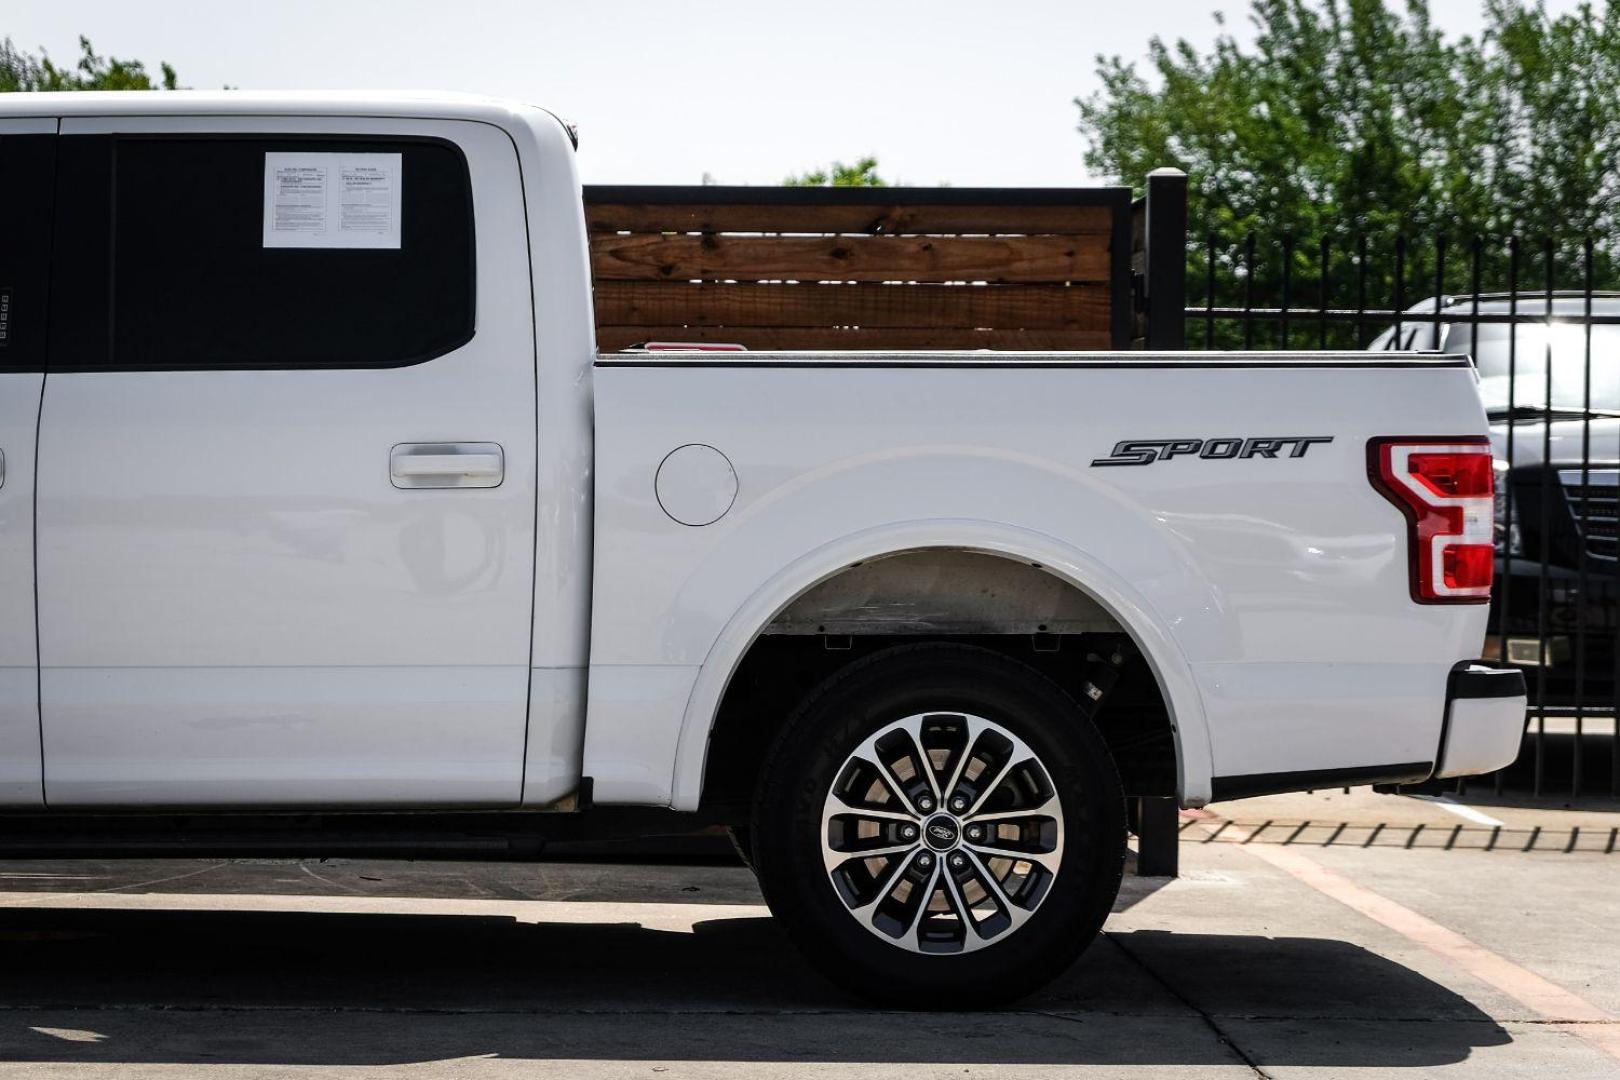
{"x":1563,"y":344}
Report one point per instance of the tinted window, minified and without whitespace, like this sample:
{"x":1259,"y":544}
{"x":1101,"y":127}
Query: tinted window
{"x":163,"y":262}
{"x":27,"y":165}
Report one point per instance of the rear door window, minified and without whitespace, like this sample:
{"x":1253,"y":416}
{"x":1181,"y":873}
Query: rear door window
{"x":166,"y":258}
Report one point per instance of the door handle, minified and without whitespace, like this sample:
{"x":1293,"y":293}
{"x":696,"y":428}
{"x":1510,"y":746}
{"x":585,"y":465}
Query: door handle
{"x":447,"y":465}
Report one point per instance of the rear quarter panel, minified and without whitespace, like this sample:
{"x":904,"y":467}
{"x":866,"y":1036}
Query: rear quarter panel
{"x":1271,"y":595}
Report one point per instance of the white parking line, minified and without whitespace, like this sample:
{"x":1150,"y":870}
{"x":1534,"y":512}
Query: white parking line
{"x":653,"y":916}
{"x":1468,"y":813}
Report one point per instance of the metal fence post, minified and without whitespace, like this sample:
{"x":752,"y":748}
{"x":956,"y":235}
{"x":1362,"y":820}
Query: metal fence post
{"x":1165,"y":259}
{"x":1164,"y":273}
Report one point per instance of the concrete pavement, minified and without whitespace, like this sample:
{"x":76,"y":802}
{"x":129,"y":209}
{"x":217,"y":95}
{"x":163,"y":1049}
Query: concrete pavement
{"x":1243,"y":967}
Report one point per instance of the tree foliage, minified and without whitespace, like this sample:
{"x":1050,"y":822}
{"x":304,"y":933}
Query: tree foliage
{"x":1350,"y":124}
{"x":20,"y":70}
{"x":1347,"y":116}
{"x":861,"y":174}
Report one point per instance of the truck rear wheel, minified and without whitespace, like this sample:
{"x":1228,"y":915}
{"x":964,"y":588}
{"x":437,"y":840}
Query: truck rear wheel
{"x":940,"y":826}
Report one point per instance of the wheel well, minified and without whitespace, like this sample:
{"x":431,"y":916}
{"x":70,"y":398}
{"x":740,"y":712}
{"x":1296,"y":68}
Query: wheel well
{"x":1012,"y":607}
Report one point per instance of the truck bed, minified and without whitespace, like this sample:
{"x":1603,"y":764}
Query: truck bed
{"x":1268,"y":588}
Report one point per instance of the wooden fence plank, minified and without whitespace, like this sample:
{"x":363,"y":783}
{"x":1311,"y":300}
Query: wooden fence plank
{"x":1061,"y":307}
{"x":612,"y":338}
{"x":877,"y":217}
{"x":851,"y":258}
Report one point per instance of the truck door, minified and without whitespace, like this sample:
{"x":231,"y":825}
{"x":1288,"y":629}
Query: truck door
{"x":287,"y":465}
{"x":27,"y":165}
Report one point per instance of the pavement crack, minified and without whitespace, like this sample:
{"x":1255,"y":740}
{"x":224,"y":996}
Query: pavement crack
{"x":324,"y":880}
{"x":140,"y":885}
{"x":1209,"y":1019}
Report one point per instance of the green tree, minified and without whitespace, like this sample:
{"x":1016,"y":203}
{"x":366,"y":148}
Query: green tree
{"x":24,"y":71}
{"x":861,"y":174}
{"x":1347,"y":119}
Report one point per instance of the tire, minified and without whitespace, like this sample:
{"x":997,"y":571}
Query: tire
{"x":988,"y":723}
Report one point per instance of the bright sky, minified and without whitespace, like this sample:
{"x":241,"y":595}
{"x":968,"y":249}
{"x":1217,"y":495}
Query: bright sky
{"x":956,"y":91}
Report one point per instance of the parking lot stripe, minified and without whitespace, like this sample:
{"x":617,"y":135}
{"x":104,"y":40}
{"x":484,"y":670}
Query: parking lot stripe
{"x":1551,"y":1001}
{"x":653,"y":915}
{"x":1469,"y":813}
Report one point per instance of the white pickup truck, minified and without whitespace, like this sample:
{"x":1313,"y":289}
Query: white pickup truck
{"x":324,"y":529}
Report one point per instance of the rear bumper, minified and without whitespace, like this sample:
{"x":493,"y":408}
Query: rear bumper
{"x":1481,"y":731}
{"x":1484,"y":722}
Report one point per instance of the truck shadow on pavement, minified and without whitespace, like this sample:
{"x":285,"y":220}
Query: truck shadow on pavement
{"x":277,"y":988}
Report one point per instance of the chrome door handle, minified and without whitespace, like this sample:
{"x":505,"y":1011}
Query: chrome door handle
{"x":447,"y":465}
{"x":2,"y":468}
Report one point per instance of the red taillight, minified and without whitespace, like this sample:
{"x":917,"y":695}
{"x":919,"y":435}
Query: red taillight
{"x":1445,"y":488}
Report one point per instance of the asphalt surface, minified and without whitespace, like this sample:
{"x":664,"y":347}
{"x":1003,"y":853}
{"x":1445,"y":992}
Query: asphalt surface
{"x":1303,"y":939}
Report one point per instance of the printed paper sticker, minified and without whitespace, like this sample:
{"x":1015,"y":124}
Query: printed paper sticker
{"x":331,"y":200}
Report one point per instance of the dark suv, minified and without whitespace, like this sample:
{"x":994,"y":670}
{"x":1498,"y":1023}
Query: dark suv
{"x":1551,"y":387}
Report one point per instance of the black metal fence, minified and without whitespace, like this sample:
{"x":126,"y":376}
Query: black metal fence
{"x":1542,"y":321}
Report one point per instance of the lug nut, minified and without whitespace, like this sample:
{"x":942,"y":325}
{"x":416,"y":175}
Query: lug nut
{"x":908,"y":832}
{"x":959,"y":804}
{"x":925,"y":860}
{"x":975,"y":832}
{"x":924,"y":803}
{"x":957,"y":862}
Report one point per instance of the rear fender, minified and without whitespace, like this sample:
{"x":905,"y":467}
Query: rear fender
{"x":1115,"y":595}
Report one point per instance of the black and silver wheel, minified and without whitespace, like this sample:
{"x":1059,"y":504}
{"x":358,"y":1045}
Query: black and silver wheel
{"x":942,"y":832}
{"x":940,"y":826}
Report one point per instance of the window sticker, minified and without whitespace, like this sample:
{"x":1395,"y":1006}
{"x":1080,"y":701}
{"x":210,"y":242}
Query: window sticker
{"x":331,"y":200}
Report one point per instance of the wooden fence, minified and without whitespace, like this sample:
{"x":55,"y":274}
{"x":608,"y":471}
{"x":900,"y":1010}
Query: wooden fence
{"x":863,"y":268}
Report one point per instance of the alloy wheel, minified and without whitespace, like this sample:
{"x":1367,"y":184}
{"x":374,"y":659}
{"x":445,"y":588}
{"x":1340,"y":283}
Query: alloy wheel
{"x":942,"y":833}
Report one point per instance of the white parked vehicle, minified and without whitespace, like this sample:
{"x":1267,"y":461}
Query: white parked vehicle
{"x":323,"y":529}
